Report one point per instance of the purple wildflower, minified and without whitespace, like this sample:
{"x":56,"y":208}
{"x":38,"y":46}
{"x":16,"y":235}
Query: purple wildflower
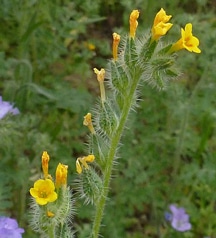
{"x":168,"y":216}
{"x":9,"y":228}
{"x":180,"y":219}
{"x":6,"y":107}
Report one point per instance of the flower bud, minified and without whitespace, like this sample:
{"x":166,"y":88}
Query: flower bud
{"x":61,"y":175}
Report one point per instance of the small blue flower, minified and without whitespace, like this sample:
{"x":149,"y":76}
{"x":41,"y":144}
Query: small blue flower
{"x":9,"y":228}
{"x":179,"y":218}
{"x":168,"y":216}
{"x":6,"y":107}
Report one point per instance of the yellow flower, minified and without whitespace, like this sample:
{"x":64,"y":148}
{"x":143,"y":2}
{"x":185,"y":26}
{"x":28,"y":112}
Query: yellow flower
{"x":116,"y":40}
{"x":82,"y":161}
{"x":61,"y":175}
{"x":133,"y":22}
{"x":88,"y":122}
{"x":50,"y":214}
{"x":78,"y":167}
{"x":89,"y":158}
{"x":187,"y":41}
{"x":45,"y":163}
{"x":100,"y":74}
{"x":91,"y":46}
{"x":100,"y":77}
{"x":160,"y":26}
{"x":43,"y":191}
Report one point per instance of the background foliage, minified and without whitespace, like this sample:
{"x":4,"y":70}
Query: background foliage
{"x":47,"y":52}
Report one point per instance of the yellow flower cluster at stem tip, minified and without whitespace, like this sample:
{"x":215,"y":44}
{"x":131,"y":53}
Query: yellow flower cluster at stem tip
{"x":187,"y":41}
{"x":44,"y":191}
{"x":133,"y":23}
{"x":45,"y":163}
{"x":116,"y":40}
{"x":100,"y":77}
{"x":82,"y":161}
{"x":161,"y":25}
{"x":88,"y":122}
{"x":61,"y":175}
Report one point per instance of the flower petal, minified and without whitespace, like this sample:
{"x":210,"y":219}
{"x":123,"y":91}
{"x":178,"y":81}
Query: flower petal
{"x":34,"y":192}
{"x":52,"y":197}
{"x":41,"y":201}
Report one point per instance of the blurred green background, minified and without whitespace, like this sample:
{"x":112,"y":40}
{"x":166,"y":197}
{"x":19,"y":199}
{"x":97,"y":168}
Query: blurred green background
{"x":48,"y":49}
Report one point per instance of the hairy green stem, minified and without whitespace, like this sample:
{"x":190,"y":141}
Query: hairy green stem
{"x":109,"y":165}
{"x":51,"y":231}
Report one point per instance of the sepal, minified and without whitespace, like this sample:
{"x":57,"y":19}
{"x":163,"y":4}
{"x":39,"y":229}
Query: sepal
{"x":108,"y":119}
{"x":120,"y":99}
{"x":99,"y":146}
{"x":119,"y":78}
{"x":89,"y":185}
{"x":162,"y":70}
{"x":130,"y":52}
{"x":147,"y":49}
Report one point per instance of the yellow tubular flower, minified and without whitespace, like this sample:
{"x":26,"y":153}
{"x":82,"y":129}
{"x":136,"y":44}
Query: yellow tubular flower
{"x":88,"y":122}
{"x":78,"y":166}
{"x":50,"y":214}
{"x":116,"y":40}
{"x":187,"y":41}
{"x":160,"y":26}
{"x":100,"y":74}
{"x":82,"y":161}
{"x":61,"y":175}
{"x":100,"y":77}
{"x":133,"y":22}
{"x":45,"y":163}
{"x":43,"y":191}
{"x":89,"y":158}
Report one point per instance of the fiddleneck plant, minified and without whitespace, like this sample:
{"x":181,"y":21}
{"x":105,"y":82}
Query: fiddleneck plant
{"x":138,"y":60}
